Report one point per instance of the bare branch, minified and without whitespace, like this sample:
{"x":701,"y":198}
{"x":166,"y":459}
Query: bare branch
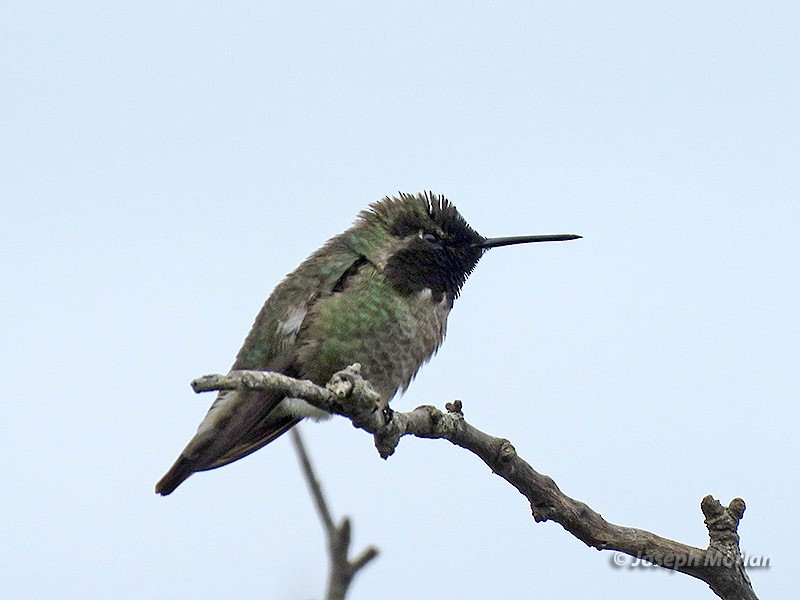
{"x":348,"y":394}
{"x":342,"y":569}
{"x":312,"y":481}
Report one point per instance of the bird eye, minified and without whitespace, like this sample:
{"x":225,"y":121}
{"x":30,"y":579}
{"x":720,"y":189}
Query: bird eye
{"x":430,"y":238}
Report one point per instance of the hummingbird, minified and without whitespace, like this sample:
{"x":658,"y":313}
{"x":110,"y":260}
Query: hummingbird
{"x":378,"y":294}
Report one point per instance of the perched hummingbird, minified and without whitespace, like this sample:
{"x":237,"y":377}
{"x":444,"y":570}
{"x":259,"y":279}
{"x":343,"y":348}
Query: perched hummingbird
{"x":377,"y":294}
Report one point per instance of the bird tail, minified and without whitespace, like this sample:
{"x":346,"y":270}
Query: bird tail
{"x":177,"y":474}
{"x":222,"y":435}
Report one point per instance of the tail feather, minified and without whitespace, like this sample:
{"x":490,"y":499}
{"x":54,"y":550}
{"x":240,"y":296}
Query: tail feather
{"x":177,"y":474}
{"x":225,"y":428}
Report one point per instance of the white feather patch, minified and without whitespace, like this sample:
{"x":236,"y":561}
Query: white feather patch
{"x":302,"y":409}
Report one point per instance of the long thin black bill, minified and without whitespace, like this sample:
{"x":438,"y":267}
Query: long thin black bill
{"x":526,"y":239}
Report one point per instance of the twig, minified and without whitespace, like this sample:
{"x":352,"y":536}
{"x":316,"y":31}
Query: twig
{"x":348,"y":394}
{"x":342,"y":569}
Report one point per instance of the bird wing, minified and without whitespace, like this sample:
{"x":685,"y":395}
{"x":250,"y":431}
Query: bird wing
{"x":240,"y":422}
{"x":269,"y":428}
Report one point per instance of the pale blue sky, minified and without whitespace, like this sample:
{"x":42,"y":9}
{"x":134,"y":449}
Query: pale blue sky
{"x":163,"y":165}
